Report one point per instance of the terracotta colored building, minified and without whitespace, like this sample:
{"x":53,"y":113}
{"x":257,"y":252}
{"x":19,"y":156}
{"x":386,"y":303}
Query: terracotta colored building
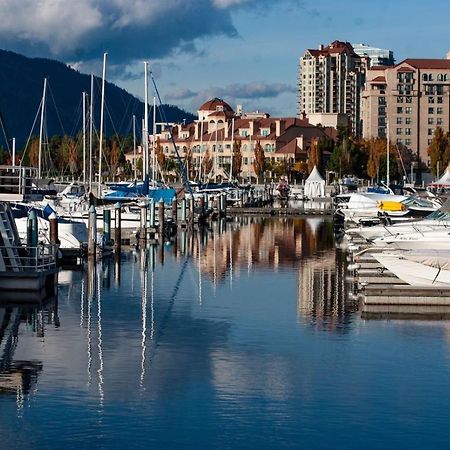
{"x":218,"y":128}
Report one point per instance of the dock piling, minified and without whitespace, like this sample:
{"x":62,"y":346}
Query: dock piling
{"x":118,"y":227}
{"x":92,"y":225}
{"x":106,"y":226}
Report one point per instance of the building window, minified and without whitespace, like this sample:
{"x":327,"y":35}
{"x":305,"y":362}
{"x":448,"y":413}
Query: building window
{"x":399,"y":110}
{"x":408,"y":99}
{"x":399,"y":99}
{"x":430,"y":141}
{"x":430,"y":121}
{"x":430,"y":131}
{"x":407,"y":142}
{"x":430,"y":99}
{"x":399,"y":141}
{"x":381,"y":121}
{"x":440,"y":100}
{"x":439,"y":121}
{"x":439,"y":110}
{"x":408,"y":131}
{"x":399,"y":120}
{"x":381,"y":132}
{"x":407,"y":120}
{"x":408,"y":110}
{"x":382,"y":101}
{"x":245,"y":160}
{"x":399,"y":131}
{"x":381,"y":111}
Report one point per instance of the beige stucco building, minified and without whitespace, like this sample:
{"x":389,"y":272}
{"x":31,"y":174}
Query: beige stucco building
{"x":409,"y":101}
{"x":330,"y":80}
{"x":218,"y":127}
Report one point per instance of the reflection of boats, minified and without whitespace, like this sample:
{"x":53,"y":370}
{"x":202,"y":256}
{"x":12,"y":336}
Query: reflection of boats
{"x":19,"y":376}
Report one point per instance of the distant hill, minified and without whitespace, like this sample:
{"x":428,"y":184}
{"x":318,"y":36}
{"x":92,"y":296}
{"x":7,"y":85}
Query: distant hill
{"x":21,"y":84}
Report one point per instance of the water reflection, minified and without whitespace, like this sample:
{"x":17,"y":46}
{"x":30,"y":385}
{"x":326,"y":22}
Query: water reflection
{"x":18,"y":376}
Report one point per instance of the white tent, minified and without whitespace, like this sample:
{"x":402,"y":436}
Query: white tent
{"x":314,"y":185}
{"x":444,"y":181}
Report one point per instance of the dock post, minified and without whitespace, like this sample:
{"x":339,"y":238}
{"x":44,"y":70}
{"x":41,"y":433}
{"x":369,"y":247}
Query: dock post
{"x":106,"y":226}
{"x":32,"y":233}
{"x":152,"y":214}
{"x":219,"y":205}
{"x":92,"y":225}
{"x":143,"y":227}
{"x":191,"y":209}
{"x":53,"y":222}
{"x":175,"y":211}
{"x":183,"y":211}
{"x":118,"y":227}
{"x":161,"y":218}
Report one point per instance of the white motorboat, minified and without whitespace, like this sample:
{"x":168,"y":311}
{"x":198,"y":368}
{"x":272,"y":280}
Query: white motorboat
{"x":418,"y":268}
{"x":431,"y":240}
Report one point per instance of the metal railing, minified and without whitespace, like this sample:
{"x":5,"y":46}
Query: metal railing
{"x":34,"y":259}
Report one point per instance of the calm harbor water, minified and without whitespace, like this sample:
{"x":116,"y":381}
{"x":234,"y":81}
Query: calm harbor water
{"x":241,"y":337}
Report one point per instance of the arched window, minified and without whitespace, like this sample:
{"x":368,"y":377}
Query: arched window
{"x":167,"y":149}
{"x":440,"y":77}
{"x":268,"y":147}
{"x":430,"y":77}
{"x":445,"y":77}
{"x":184,"y":149}
{"x":220,"y":121}
{"x":425,"y":77}
{"x":244,"y":148}
{"x":212,"y":121}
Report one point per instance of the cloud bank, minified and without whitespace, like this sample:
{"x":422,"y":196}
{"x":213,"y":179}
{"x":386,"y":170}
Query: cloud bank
{"x":131,"y":29}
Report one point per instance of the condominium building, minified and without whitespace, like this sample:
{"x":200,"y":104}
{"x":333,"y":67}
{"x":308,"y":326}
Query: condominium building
{"x":218,"y":128}
{"x":408,"y":101}
{"x":330,"y":80}
{"x":378,"y":56}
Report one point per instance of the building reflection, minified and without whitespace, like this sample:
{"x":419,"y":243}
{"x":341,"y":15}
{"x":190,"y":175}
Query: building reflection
{"x":19,"y":377}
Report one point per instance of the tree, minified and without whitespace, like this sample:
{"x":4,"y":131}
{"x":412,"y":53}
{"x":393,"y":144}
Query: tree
{"x":237,"y":160}
{"x":160,"y":157}
{"x":315,"y":156}
{"x":207,"y":163}
{"x":259,"y":163}
{"x":33,"y":152}
{"x":439,"y":150}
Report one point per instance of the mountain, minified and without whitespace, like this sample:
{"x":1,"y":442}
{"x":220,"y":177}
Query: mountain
{"x":21,"y":85}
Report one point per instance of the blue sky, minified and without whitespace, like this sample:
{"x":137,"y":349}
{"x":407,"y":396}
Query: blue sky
{"x":245,"y":51}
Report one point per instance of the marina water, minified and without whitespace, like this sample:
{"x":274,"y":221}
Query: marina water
{"x":242,"y":336}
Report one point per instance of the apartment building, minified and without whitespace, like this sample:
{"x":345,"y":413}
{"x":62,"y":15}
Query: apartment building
{"x":378,"y":56}
{"x":408,"y":101}
{"x":330,"y":81}
{"x":218,"y":127}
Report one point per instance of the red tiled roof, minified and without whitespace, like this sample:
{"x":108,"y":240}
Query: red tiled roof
{"x":379,"y":67}
{"x":379,"y":79}
{"x":405,"y":69}
{"x":211,"y":105}
{"x":333,"y":48}
{"x":427,"y":63}
{"x":290,"y":148}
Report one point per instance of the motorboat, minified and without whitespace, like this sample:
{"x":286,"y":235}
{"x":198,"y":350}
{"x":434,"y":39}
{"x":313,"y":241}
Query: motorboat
{"x":418,"y":268}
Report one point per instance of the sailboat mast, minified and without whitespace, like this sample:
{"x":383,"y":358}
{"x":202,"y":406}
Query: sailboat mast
{"x":13,"y":151}
{"x":41,"y":129}
{"x":146,"y":118}
{"x":102,"y":107}
{"x":387,"y":154}
{"x":84,"y":138}
{"x":134,"y":147}
{"x":91,"y":120}
{"x":201,"y":152}
{"x":154,"y":142}
{"x":232,"y":149}
{"x":215,"y":157}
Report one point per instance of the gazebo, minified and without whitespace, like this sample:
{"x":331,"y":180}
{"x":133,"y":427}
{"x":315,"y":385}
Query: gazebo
{"x":314,"y":185}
